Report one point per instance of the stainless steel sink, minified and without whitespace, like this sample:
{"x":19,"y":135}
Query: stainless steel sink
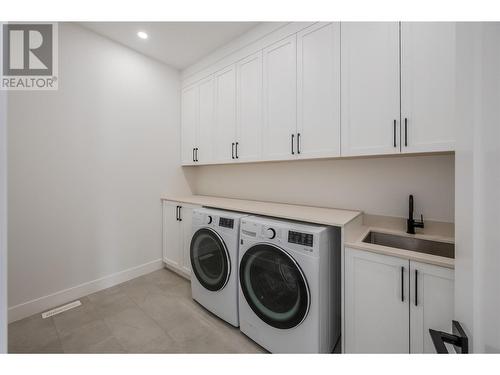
{"x":442,"y":249}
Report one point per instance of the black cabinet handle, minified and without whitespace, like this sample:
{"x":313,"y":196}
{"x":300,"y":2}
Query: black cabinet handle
{"x":236,"y":149}
{"x":394,"y":133}
{"x":416,"y":287}
{"x":406,"y":132}
{"x":193,"y":156}
{"x":293,"y":135}
{"x":232,"y":150}
{"x":177,"y":213}
{"x":197,"y":149}
{"x":298,"y":143}
{"x":402,"y":284}
{"x":180,"y":218}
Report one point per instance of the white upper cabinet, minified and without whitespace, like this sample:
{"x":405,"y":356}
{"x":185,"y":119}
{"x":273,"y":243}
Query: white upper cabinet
{"x":318,"y":91}
{"x":204,"y":152}
{"x":428,"y":86}
{"x":190,"y":119}
{"x":280,"y":100}
{"x":327,"y":90}
{"x":431,"y":305}
{"x":376,"y":312}
{"x":370,"y":88}
{"x":249,"y":108}
{"x":225,"y":115}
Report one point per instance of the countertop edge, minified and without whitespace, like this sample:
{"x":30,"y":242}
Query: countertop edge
{"x":403,"y":254}
{"x":232,"y":204}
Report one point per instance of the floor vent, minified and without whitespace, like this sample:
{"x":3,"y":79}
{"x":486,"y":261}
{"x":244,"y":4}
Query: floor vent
{"x":60,"y":309}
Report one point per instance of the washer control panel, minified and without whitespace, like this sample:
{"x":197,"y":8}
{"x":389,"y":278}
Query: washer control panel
{"x":226,"y":223}
{"x":300,"y":238}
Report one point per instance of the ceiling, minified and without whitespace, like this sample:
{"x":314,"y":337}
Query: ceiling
{"x":178,"y":44}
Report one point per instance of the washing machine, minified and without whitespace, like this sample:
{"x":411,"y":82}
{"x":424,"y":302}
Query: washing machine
{"x":214,"y":262}
{"x":289,"y":289}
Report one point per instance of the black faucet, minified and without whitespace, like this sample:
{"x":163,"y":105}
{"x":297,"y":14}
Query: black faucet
{"x":412,"y":224}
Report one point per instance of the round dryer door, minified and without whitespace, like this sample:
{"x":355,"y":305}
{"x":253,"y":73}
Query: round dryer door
{"x":274,"y":286}
{"x":210,"y":259}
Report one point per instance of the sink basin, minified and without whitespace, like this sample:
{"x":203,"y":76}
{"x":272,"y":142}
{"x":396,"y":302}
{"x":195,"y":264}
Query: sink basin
{"x":442,"y":249}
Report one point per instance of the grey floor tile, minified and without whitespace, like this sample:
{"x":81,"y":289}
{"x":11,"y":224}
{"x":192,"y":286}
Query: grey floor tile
{"x":164,"y":277}
{"x":133,"y":328}
{"x":208,"y":342}
{"x":160,"y":344}
{"x":34,"y":335}
{"x":139,"y":290}
{"x":150,"y":314}
{"x":75,"y":318}
{"x":181,"y":289}
{"x":112,"y":304}
{"x":189,"y":327}
{"x":107,"y":346}
{"x":176,"y":316}
{"x":82,"y":339}
{"x":103,"y":295}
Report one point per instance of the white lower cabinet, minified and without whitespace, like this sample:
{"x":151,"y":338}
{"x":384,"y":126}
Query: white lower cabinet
{"x":376,"y":303}
{"x":177,"y":232}
{"x":431,"y":305}
{"x":381,"y":313}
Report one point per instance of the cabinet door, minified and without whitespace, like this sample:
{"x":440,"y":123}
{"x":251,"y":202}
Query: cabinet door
{"x":370,"y":113}
{"x":428,"y":86}
{"x":376,"y":312}
{"x":172,"y":237}
{"x":190,"y":118}
{"x":318,"y":91}
{"x":206,"y":121}
{"x":431,"y":304}
{"x":186,"y":216}
{"x":249,"y":107}
{"x":280,"y":91}
{"x":225,"y":114}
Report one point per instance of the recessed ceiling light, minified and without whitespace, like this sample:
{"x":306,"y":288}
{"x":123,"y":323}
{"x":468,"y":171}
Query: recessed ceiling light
{"x":142,"y":35}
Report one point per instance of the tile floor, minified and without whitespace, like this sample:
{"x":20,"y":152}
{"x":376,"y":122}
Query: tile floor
{"x":151,"y":314}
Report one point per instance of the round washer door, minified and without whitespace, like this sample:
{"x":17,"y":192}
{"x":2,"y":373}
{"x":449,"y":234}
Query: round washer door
{"x":274,"y":286}
{"x":210,"y":260}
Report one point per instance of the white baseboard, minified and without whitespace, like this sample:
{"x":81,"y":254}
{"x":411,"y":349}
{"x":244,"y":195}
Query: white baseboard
{"x":41,"y":304}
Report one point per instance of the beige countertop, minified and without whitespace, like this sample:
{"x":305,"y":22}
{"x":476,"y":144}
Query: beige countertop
{"x":309,"y":214}
{"x":356,"y":225}
{"x":434,"y":231}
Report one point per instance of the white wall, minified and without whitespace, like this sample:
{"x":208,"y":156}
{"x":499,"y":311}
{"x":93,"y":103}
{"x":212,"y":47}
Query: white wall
{"x":478,"y":185}
{"x":87,"y":165}
{"x":3,"y":215}
{"x":468,"y":101}
{"x":375,"y":185}
{"x":488,"y":196}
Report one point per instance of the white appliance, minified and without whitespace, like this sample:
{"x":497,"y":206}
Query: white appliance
{"x":214,"y":262}
{"x":289,"y":294}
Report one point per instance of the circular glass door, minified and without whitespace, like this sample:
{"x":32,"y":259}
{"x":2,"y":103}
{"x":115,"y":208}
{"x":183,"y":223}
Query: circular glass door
{"x":274,"y":286}
{"x":209,"y":259}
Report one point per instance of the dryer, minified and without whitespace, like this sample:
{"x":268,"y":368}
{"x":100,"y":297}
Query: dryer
{"x":214,"y":262}
{"x":289,"y":290}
